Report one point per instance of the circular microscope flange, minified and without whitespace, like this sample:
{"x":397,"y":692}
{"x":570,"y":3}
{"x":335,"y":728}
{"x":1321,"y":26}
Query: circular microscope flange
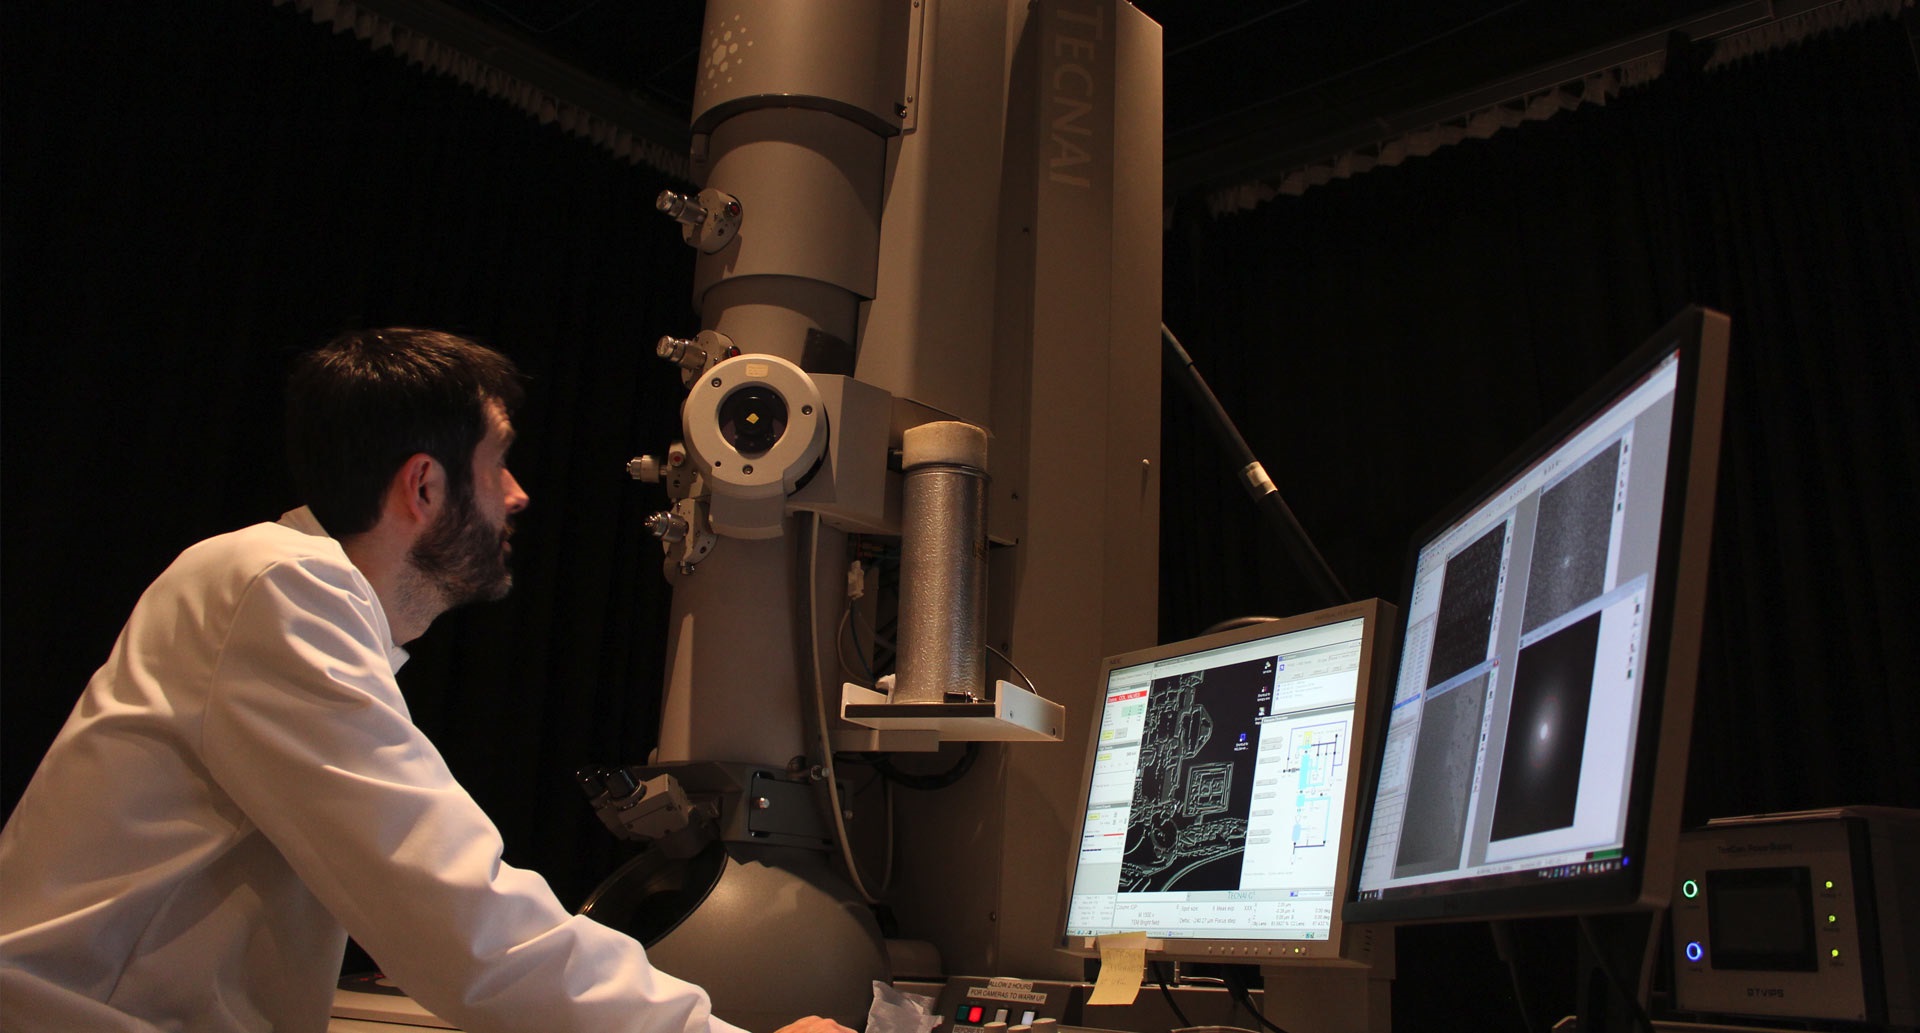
{"x":756,"y":424}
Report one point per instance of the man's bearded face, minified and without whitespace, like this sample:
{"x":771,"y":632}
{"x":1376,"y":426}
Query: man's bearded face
{"x":464,"y":554}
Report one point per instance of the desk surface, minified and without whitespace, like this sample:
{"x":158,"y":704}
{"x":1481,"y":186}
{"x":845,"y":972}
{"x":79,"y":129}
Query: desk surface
{"x":357,"y":1012}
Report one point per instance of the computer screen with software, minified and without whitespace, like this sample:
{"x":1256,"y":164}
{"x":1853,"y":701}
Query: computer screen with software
{"x":1536,"y":734}
{"x":1219,"y":789}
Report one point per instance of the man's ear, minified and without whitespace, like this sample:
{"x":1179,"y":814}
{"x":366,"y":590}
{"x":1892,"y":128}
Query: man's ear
{"x":419,"y":489}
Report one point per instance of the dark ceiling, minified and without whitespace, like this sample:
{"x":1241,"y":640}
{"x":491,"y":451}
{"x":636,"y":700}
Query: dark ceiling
{"x":1241,"y":77}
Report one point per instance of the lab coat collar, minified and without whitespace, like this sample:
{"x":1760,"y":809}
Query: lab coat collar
{"x":305,"y":522}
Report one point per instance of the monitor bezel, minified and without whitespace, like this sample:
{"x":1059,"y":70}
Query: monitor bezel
{"x":1657,"y":787}
{"x":1376,"y":656}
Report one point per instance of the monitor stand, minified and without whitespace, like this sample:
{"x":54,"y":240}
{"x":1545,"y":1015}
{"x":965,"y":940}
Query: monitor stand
{"x":1350,"y":998}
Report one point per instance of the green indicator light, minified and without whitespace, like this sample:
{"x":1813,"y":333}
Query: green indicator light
{"x":1832,"y":919}
{"x":1829,"y":883}
{"x":1834,"y":952}
{"x":1689,"y":889}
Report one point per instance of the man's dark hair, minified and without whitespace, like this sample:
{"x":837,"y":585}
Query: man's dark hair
{"x":358,"y":406}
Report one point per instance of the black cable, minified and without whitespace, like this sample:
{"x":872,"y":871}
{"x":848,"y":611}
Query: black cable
{"x":1159,"y":968}
{"x":1600,"y":958}
{"x":806,"y":582}
{"x":1015,"y":668}
{"x":1253,"y":477}
{"x":927,"y":783}
{"x":1232,"y":30}
{"x":1236,"y":981}
{"x":1503,"y":946}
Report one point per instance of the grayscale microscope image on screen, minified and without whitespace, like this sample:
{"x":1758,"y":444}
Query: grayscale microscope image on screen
{"x":1513,"y":720}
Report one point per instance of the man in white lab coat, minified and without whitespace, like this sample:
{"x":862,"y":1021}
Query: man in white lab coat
{"x":241,"y":786}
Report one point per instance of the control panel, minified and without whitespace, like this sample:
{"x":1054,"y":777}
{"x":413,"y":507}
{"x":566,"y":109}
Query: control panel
{"x":971,"y":1005}
{"x":1805,"y":915}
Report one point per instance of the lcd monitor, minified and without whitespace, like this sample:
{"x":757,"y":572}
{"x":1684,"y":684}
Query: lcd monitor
{"x":1535,"y":738}
{"x":1219,"y":790}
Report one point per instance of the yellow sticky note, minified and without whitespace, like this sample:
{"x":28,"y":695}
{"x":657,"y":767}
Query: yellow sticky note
{"x":1123,"y":961}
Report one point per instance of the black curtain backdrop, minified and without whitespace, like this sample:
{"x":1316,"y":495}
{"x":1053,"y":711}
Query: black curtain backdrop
{"x":189,"y":200}
{"x":1384,"y":341}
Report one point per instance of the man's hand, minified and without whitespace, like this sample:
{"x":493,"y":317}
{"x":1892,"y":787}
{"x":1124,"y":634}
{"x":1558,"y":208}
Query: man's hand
{"x":814,"y":1024}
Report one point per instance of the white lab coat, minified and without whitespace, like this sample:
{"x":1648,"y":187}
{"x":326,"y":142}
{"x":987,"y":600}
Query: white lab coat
{"x":238,"y":787}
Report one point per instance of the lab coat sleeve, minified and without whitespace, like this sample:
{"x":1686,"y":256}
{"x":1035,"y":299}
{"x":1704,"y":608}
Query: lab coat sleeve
{"x":306,"y":730}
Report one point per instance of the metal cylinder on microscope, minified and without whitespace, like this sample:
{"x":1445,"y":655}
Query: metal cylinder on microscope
{"x":943,"y":564}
